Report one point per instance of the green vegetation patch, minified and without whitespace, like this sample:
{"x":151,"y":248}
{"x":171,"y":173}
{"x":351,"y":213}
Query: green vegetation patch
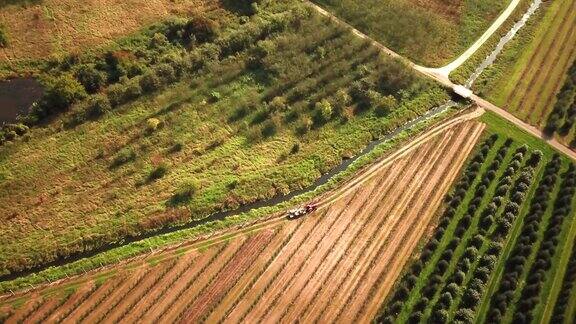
{"x":189,"y":118}
{"x":430,"y":32}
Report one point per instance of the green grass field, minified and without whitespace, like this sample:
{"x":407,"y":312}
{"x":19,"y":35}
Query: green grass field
{"x":267,"y":120}
{"x":461,"y":269}
{"x":430,"y":33}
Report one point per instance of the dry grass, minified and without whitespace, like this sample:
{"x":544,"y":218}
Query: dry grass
{"x":63,"y":26}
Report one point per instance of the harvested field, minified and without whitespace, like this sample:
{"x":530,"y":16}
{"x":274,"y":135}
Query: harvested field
{"x":349,"y":252}
{"x":63,"y":26}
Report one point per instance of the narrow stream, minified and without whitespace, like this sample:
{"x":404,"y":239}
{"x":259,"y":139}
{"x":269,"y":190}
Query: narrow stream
{"x":489,"y":60}
{"x":247,"y":207}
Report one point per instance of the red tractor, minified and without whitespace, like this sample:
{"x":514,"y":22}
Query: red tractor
{"x":301,"y":211}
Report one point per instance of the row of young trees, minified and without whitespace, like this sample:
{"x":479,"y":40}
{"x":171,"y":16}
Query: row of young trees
{"x":478,"y":259}
{"x":492,"y":234}
{"x":567,"y":290}
{"x":396,"y":303}
{"x":547,"y":249}
{"x":515,"y":264}
{"x":563,"y":116}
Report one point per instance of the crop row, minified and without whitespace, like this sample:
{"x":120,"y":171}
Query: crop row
{"x":261,"y":272}
{"x":454,"y":200}
{"x":543,"y":262}
{"x":515,"y":265}
{"x":488,"y":242}
{"x":190,"y":282}
{"x":465,"y":259}
{"x":566,"y":291}
{"x":563,"y":116}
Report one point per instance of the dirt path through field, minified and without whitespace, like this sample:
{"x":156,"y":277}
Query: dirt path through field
{"x":386,"y":199}
{"x":300,"y":281}
{"x":254,"y":272}
{"x":165,"y":283}
{"x":330,"y":226}
{"x":399,"y":199}
{"x":116,"y":295}
{"x":292,"y":247}
{"x":71,"y":303}
{"x":116,"y":312}
{"x":341,"y":270}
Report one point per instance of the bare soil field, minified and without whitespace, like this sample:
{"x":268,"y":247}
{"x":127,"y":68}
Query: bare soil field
{"x":347,"y":253}
{"x":66,"y":26}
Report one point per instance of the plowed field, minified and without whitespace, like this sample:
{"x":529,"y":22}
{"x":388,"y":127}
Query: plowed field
{"x":336,"y":264}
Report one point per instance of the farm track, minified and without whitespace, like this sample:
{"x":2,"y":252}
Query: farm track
{"x":345,"y":261}
{"x":347,"y":285}
{"x":116,"y":296}
{"x":150,"y":299}
{"x":129,"y":298}
{"x":71,"y":303}
{"x":398,"y":246}
{"x":244,"y":283}
{"x":92,"y":302}
{"x":179,"y":287}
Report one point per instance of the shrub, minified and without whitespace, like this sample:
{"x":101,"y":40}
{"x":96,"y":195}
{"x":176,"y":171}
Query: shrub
{"x":323,"y":111}
{"x":61,"y":92}
{"x":124,"y":156}
{"x":465,"y":315}
{"x":152,"y":124}
{"x":90,"y":77}
{"x":149,"y":82}
{"x":201,"y":29}
{"x":98,"y":105}
{"x":185,"y":193}
{"x":158,"y":172}
{"x":3,"y":37}
{"x":385,"y":105}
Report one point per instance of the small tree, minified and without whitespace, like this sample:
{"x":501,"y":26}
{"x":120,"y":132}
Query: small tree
{"x":385,"y":105}
{"x":98,"y":105}
{"x":90,"y":77}
{"x":63,"y":91}
{"x":323,"y":111}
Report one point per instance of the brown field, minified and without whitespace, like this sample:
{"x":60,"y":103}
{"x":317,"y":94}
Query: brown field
{"x":348,"y":253}
{"x":64,"y":26}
